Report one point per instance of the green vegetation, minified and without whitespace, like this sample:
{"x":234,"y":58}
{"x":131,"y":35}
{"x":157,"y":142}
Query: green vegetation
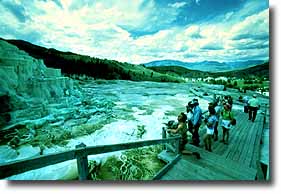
{"x":243,"y":84}
{"x":71,"y":63}
{"x":257,"y":72}
{"x":252,"y":78}
{"x":179,"y":71}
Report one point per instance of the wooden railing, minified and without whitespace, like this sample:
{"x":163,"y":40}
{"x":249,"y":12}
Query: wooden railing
{"x":80,"y":154}
{"x":266,"y":111}
{"x":260,"y":176}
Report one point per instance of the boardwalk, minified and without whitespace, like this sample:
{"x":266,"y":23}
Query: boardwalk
{"x":237,"y":161}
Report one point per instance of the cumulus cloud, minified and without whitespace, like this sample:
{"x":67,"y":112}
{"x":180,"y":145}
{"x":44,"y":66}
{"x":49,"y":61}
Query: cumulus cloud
{"x":255,"y":26}
{"x":193,"y":32}
{"x":137,"y":31}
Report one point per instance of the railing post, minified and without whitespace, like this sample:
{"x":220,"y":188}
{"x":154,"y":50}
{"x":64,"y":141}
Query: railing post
{"x":264,"y":118}
{"x":164,"y":136}
{"x":82,"y":161}
{"x":178,"y":146}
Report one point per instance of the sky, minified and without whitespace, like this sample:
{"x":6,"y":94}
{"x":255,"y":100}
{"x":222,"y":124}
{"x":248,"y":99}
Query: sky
{"x":141,"y":31}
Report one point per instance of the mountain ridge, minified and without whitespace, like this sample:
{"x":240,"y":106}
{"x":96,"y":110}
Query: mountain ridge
{"x":207,"y":66}
{"x":261,"y":70}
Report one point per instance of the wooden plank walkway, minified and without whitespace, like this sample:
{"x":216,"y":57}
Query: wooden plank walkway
{"x":236,"y":161}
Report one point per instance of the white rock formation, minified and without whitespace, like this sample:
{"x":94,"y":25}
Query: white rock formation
{"x":22,"y":73}
{"x":27,"y":81}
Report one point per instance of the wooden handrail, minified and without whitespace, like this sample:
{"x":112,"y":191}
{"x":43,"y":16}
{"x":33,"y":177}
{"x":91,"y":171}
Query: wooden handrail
{"x":260,"y":176}
{"x":20,"y":166}
{"x":265,"y":114}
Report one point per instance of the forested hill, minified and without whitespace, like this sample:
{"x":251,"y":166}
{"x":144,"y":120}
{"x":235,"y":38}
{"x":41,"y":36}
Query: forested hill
{"x":71,"y":63}
{"x":261,"y":70}
{"x":256,"y":71}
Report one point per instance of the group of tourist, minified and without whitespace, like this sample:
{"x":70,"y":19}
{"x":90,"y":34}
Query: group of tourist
{"x":220,"y":108}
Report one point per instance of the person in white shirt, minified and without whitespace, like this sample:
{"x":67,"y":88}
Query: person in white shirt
{"x":210,"y":128}
{"x":196,"y":121}
{"x":254,"y":105}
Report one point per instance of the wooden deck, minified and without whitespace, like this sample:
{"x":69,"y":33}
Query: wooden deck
{"x":237,"y":161}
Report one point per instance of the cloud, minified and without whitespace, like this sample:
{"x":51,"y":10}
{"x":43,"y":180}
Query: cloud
{"x":193,"y":32}
{"x":262,"y":36}
{"x":250,"y":37}
{"x":254,"y":46}
{"x":254,"y":26}
{"x":58,"y":3}
{"x":154,"y":18}
{"x":246,"y":44}
{"x":16,"y":9}
{"x":178,"y":4}
{"x":250,"y":8}
{"x":212,"y":47}
{"x":140,"y":31}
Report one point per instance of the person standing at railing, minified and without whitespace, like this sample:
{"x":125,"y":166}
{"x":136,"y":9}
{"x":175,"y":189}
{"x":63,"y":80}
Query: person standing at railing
{"x":227,"y":116}
{"x":217,"y":107}
{"x":210,"y":127}
{"x":189,"y":115}
{"x":254,"y":105}
{"x":196,"y":121}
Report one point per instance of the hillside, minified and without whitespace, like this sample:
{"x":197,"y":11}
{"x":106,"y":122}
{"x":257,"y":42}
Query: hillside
{"x":261,"y":70}
{"x":256,"y":71}
{"x":71,"y":63}
{"x":180,"y":71}
{"x":207,"y":66}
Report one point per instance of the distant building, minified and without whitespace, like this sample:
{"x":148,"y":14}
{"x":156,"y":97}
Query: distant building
{"x":222,"y":78}
{"x":208,"y":79}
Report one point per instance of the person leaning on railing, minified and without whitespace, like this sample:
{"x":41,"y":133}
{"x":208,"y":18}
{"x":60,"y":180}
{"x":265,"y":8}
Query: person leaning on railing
{"x":181,"y":130}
